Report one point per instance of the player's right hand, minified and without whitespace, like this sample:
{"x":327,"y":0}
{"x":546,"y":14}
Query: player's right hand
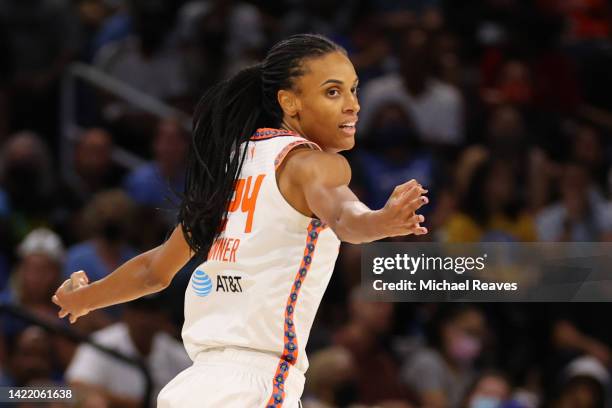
{"x":65,"y":297}
{"x":398,"y":216}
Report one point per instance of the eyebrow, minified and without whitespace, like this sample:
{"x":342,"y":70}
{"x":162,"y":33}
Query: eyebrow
{"x":336,"y":81}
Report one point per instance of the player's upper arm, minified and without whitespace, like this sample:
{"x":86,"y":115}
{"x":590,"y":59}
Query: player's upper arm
{"x":323,"y":178}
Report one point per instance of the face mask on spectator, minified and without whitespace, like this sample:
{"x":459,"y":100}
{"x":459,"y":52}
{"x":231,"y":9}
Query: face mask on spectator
{"x":392,"y":135}
{"x":465,"y":348}
{"x":485,"y":402}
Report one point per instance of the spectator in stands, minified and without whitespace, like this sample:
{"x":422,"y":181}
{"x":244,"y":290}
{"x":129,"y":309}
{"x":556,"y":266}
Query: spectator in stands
{"x":36,"y":274}
{"x":490,"y":209}
{"x":437,"y":108}
{"x":391,"y":153}
{"x":147,"y":60}
{"x":94,"y":170}
{"x":138,"y":335}
{"x":107,"y":21}
{"x":27,"y":182}
{"x":588,"y":149}
{"x":365,"y":336}
{"x":580,"y":215}
{"x":584,"y":384}
{"x":159,"y":183}
{"x":507,"y":137}
{"x":441,"y":374}
{"x":31,"y":359}
{"x":106,"y":219}
{"x":331,"y":379}
{"x":490,"y":389}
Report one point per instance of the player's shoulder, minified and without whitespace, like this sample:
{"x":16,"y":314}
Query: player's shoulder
{"x":303,"y":164}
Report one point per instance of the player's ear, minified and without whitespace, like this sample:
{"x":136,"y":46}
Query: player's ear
{"x":289,"y":102}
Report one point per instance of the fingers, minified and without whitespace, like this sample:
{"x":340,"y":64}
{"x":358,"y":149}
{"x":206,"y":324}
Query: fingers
{"x":415,"y":219}
{"x":78,"y":279}
{"x":63,"y":312}
{"x":413,"y":225}
{"x":81,"y":275}
{"x":403,"y":188}
{"x":420,"y":230}
{"x":412,"y":203}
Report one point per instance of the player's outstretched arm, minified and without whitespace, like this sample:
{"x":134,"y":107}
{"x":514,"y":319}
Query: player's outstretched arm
{"x":146,"y":273}
{"x":323,"y":180}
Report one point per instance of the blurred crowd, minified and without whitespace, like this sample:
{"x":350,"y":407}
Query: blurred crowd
{"x":502,"y":109}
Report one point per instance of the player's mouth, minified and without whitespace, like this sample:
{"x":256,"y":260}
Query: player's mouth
{"x":348,"y":127}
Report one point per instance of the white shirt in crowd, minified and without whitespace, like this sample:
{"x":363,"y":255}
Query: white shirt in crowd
{"x":166,"y":359}
{"x":437,"y":113}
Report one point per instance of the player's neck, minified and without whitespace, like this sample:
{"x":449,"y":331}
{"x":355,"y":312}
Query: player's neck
{"x":288,"y":124}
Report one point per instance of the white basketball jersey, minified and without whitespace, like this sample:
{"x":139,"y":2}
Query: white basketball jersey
{"x":266,"y":273}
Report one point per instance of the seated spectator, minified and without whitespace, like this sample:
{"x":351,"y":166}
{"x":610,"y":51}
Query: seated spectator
{"x":146,"y":60}
{"x":112,"y":23}
{"x":158,"y":183}
{"x":31,"y":360}
{"x":94,"y":170}
{"x":220,"y":38}
{"x":331,"y":379}
{"x":437,"y":108}
{"x":491,"y":389}
{"x":588,"y":149}
{"x":36,"y":277}
{"x":364,"y":336}
{"x":584,"y":384}
{"x":507,"y":137}
{"x":106,"y":220}
{"x":490,"y":209}
{"x":391,"y":154}
{"x":27,"y":181}
{"x":138,"y":335}
{"x":512,"y":85}
{"x":581,"y":215}
{"x":442,"y":374}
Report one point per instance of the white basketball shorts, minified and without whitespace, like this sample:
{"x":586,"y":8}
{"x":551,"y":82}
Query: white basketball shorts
{"x":230,"y":378}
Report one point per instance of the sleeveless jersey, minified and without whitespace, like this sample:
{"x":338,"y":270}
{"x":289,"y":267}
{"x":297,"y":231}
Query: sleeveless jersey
{"x":266,"y":273}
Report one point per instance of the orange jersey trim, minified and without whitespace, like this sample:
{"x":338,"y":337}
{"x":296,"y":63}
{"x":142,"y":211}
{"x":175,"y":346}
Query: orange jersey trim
{"x":269,"y":133}
{"x":283,"y":153}
{"x":290,"y":349}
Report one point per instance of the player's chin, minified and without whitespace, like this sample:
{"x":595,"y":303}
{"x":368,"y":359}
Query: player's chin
{"x":345,"y":141}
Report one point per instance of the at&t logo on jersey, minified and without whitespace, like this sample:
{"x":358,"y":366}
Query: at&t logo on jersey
{"x":201,"y":283}
{"x":229,"y":284}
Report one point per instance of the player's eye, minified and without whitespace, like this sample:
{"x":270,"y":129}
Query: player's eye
{"x":333,"y":92}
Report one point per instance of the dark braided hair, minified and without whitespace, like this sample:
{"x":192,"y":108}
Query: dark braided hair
{"x":225,"y":118}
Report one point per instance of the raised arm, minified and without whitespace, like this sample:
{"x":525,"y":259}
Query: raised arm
{"x":146,"y":273}
{"x":318,"y":182}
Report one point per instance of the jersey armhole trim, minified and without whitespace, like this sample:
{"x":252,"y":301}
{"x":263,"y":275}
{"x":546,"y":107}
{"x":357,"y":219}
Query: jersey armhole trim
{"x":283,"y":153}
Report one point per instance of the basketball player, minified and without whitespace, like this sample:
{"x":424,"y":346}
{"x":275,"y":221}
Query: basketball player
{"x":267,"y":200}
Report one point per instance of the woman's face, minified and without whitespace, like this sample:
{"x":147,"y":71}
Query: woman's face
{"x":326,"y":104}
{"x":462,"y":337}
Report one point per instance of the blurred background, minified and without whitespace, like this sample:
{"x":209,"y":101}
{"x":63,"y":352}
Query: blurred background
{"x":501,"y":108}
